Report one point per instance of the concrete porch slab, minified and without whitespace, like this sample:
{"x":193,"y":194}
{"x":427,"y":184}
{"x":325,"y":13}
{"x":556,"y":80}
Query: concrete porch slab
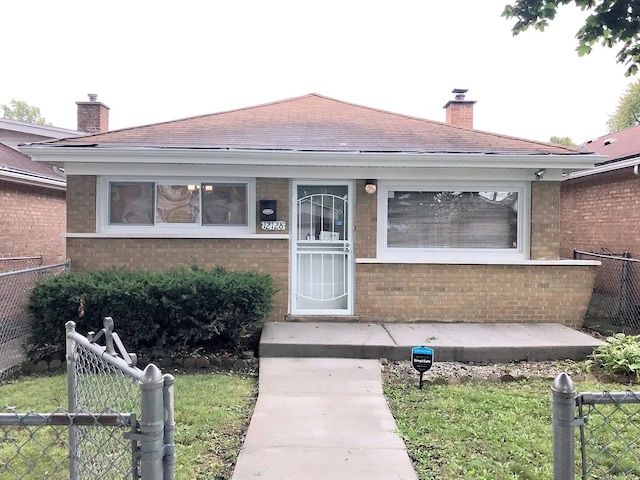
{"x":326,"y":339}
{"x":451,"y":342}
{"x":493,"y":342}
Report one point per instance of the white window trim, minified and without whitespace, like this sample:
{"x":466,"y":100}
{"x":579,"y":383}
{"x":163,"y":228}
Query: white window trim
{"x":190,"y":230}
{"x":456,"y":255}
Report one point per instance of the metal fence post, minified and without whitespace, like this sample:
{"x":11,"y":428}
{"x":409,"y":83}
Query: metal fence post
{"x":169,"y":428}
{"x":563,"y":406}
{"x":71,"y":400}
{"x":151,"y":423}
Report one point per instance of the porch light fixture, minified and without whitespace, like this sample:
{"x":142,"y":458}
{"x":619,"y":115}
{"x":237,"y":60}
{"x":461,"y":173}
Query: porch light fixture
{"x":540,"y":173}
{"x":371,"y":186}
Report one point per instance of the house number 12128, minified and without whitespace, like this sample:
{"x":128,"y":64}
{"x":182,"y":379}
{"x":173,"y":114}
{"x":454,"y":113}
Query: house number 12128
{"x":274,"y":225}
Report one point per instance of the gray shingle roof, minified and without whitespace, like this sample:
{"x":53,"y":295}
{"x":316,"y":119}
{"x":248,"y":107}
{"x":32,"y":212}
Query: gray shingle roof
{"x":14,"y":161}
{"x":318,"y":124}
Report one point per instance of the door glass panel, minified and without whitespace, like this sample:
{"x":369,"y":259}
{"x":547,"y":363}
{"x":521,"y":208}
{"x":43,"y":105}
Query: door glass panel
{"x":322,"y":213}
{"x":322,"y":248}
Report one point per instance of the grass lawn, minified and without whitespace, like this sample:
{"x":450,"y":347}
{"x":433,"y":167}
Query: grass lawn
{"x":473,"y":431}
{"x":481,"y":430}
{"x":212,"y":412}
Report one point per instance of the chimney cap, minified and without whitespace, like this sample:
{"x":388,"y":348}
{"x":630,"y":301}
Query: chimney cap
{"x":459,"y":97}
{"x":92,"y":97}
{"x":459,"y":93}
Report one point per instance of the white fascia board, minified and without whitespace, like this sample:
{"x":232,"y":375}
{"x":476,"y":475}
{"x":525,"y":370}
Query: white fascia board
{"x":317,"y":172}
{"x":25,"y":179}
{"x":63,"y":156}
{"x":609,"y":167}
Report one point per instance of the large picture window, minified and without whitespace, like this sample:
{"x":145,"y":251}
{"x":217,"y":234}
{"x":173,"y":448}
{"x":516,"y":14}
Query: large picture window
{"x":153,"y":205}
{"x":477,"y":221}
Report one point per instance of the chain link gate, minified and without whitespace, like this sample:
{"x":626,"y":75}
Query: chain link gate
{"x":609,"y":433}
{"x":94,"y":439}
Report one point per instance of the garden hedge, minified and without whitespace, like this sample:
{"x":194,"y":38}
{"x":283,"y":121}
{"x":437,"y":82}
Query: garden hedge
{"x":174,"y":310}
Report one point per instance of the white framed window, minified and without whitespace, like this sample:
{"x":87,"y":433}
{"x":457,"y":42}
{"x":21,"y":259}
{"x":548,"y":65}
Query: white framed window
{"x":145,"y":205}
{"x":454,"y":221}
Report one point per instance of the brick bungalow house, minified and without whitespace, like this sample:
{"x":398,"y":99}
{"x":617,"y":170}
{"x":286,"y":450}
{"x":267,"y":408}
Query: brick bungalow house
{"x":32,"y":196}
{"x":600,"y":205}
{"x":358,"y":214}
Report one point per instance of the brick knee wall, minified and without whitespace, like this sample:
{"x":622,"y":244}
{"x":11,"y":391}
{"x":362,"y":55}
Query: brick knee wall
{"x":474,"y":293}
{"x":160,"y":254}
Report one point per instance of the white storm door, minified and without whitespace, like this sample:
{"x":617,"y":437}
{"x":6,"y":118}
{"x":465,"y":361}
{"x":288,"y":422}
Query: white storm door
{"x":322,"y":263}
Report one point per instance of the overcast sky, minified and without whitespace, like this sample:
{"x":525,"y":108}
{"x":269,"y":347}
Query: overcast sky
{"x":152,"y":61}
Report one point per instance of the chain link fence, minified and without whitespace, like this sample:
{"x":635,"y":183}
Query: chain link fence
{"x":94,"y":438}
{"x":34,"y":445}
{"x":12,"y":264}
{"x":615,"y":301}
{"x":608,"y":435}
{"x":15,"y":287}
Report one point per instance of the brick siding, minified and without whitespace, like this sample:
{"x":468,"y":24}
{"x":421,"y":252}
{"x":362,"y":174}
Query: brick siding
{"x":81,"y":204}
{"x":366,"y":232}
{"x":274,"y":189}
{"x":33,"y":222}
{"x":473,"y":293}
{"x":545,"y":220}
{"x":159,"y":254}
{"x":384,"y":292}
{"x":601,"y":213}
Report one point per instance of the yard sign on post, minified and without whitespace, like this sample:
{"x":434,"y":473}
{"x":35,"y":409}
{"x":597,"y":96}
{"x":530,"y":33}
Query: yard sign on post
{"x":421,"y":359}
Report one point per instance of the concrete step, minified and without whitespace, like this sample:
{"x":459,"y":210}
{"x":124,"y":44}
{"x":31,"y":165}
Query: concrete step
{"x":451,"y":342}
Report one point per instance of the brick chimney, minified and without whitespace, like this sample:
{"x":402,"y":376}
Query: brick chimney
{"x":93,"y":116}
{"x":459,"y":110}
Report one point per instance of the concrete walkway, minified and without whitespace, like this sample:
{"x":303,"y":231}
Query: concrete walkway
{"x":321,"y":413}
{"x":322,"y":418}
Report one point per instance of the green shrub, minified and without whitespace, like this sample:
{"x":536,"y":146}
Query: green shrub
{"x":178,"y":309}
{"x":620,"y":355}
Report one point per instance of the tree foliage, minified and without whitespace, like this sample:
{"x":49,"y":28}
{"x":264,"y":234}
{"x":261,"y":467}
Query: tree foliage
{"x":610,"y":22}
{"x":23,"y":112}
{"x":566,"y":141}
{"x":627,"y":112}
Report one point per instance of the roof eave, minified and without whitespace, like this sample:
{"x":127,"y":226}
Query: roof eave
{"x":36,"y":129}
{"x":62,"y":155}
{"x":23,"y":178}
{"x":608,"y":167}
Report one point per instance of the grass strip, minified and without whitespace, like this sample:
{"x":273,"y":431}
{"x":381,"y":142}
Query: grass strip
{"x":484,"y":430}
{"x":212,"y":412}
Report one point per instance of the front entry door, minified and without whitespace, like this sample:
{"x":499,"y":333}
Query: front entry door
{"x":322,"y":268}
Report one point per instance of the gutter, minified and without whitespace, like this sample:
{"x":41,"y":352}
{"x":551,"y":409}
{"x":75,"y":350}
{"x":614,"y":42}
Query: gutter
{"x":609,"y":167}
{"x":207,"y":156}
{"x":33,"y":180}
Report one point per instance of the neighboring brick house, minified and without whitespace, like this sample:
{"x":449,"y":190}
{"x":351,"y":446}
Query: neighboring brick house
{"x":357,"y":213}
{"x":601,"y":206}
{"x":32,"y":196}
